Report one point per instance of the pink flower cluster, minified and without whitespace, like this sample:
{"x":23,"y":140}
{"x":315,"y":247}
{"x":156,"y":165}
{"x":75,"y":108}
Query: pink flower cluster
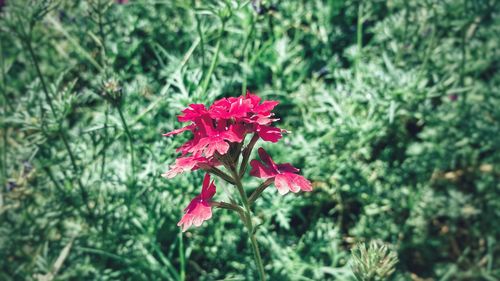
{"x":218,"y":132}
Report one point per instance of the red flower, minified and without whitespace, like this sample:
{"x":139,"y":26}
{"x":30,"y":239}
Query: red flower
{"x":215,"y":133}
{"x":285,"y":175}
{"x":192,"y":113}
{"x":226,"y":121}
{"x":230,"y":108}
{"x":199,"y":209}
{"x":216,"y":138}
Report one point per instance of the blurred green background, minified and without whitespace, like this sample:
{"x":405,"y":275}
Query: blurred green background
{"x":393,"y":108}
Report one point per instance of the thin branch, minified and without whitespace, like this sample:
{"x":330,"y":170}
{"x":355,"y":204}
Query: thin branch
{"x":228,"y":206}
{"x":259,"y":191}
{"x":206,"y":82}
{"x":220,"y":173}
{"x":246,"y":155}
{"x":130,"y":140}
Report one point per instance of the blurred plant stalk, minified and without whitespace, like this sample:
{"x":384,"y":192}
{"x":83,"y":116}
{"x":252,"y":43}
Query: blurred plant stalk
{"x":24,"y":29}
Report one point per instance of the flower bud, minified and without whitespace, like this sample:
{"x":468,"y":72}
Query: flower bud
{"x":377,"y":262}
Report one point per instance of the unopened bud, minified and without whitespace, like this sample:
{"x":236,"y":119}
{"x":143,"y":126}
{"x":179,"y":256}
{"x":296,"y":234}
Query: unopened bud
{"x":373,"y":263}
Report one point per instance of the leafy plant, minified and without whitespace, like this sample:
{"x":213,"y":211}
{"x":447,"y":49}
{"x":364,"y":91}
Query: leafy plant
{"x":391,"y":109}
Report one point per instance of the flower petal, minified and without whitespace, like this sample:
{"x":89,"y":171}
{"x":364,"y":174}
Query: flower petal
{"x":291,"y":182}
{"x":282,"y":184}
{"x":190,"y":163}
{"x":235,"y":133}
{"x":261,"y":171}
{"x":287,"y":167}
{"x":230,"y":108}
{"x":266,"y":158}
{"x":184,"y":164}
{"x":197,"y":212}
{"x":193,"y":112}
{"x":181,"y":130}
{"x":266,"y":106}
{"x":216,"y":145}
{"x":208,"y":189}
{"x":268,"y":133}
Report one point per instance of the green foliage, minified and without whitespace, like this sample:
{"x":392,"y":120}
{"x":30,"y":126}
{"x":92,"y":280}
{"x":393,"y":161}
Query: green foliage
{"x":392,"y":108}
{"x":375,"y":262}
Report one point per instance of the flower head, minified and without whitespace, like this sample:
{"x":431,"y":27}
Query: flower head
{"x":228,"y":108}
{"x":227,"y":121}
{"x":199,"y":209}
{"x":285,"y":175}
{"x":216,"y":138}
{"x":217,"y":135}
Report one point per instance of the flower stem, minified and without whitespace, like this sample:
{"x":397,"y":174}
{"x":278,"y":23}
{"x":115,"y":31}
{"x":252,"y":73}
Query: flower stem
{"x":359,"y":39}
{"x":259,"y":191}
{"x":229,"y":206}
{"x":221,"y":174}
{"x":249,"y":225}
{"x":200,"y":34}
{"x":103,"y":160}
{"x":246,"y":155}
{"x":40,"y":76}
{"x":245,"y":55}
{"x":182,"y":258}
{"x":206,"y":82}
{"x":4,"y":125}
{"x":83,"y":191}
{"x":130,"y":140}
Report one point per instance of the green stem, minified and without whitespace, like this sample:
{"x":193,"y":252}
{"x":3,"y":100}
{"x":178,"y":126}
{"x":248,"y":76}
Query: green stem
{"x":83,"y":191}
{"x":249,"y":225}
{"x":359,"y":37}
{"x":40,"y":76}
{"x":4,"y":84}
{"x":245,"y":55}
{"x":259,"y":191}
{"x":249,"y":36}
{"x":246,"y":154}
{"x":219,"y":173}
{"x":405,"y":32}
{"x":101,"y":34}
{"x":229,"y":206}
{"x":70,"y":152}
{"x":206,"y":82}
{"x":100,"y":10}
{"x":464,"y":56}
{"x":4,"y":151}
{"x":103,"y":162}
{"x":130,"y":140}
{"x":53,"y":179}
{"x":200,"y":34}
{"x":60,"y":131}
{"x":182,"y":259}
{"x":4,"y":126}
